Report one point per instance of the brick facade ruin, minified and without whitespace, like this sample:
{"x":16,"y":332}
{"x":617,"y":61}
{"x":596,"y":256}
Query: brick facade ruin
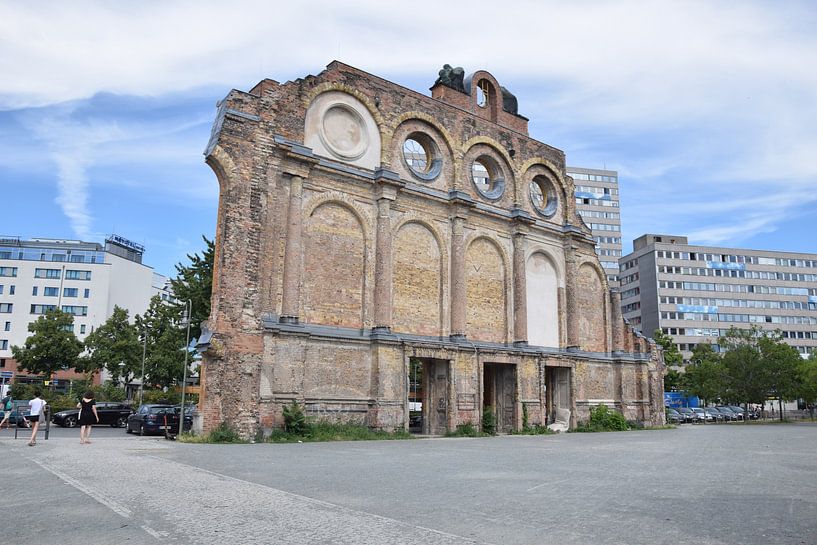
{"x":365,"y":229}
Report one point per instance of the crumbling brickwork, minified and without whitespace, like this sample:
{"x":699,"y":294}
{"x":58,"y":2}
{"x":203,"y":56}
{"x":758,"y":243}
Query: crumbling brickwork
{"x":364,"y":227}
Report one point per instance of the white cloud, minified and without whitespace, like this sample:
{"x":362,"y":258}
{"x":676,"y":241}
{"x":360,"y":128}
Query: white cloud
{"x":723,"y":95}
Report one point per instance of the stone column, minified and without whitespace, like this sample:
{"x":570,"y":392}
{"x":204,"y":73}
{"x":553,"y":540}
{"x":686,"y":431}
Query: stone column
{"x":572,"y":296}
{"x":520,"y":290}
{"x":617,"y":320}
{"x":458,"y":294}
{"x":383,"y":264}
{"x":291,"y":299}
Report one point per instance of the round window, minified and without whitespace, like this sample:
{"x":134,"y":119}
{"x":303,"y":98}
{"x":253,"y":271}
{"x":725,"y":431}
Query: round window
{"x":422,"y":156}
{"x":485,"y":175}
{"x":543,"y":196}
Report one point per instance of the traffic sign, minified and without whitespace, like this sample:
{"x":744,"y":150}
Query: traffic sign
{"x":6,"y":374}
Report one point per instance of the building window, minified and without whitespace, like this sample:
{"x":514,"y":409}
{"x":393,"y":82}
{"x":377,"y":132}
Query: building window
{"x":483,"y":93}
{"x":87,"y":293}
{"x":46,"y":273}
{"x":51,"y":292}
{"x":42,"y":309}
{"x":77,"y":275}
{"x":487,"y":177}
{"x":7,"y":326}
{"x":75,"y":310}
{"x":6,"y":308}
{"x":4,"y":344}
{"x":70,"y":292}
{"x":82,"y":329}
{"x":11,"y":289}
{"x":1,"y":289}
{"x":422,"y":156}
{"x":34,"y":290}
{"x":2,"y":362}
{"x":8,"y":271}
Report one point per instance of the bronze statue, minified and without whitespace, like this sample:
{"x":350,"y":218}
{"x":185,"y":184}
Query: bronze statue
{"x":452,"y":77}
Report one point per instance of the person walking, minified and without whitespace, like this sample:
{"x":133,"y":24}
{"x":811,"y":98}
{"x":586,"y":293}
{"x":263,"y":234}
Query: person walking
{"x":36,"y":407}
{"x":87,"y":416}
{"x":6,"y":406}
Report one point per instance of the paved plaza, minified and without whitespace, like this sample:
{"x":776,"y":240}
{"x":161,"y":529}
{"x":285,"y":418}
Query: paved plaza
{"x":721,"y":484}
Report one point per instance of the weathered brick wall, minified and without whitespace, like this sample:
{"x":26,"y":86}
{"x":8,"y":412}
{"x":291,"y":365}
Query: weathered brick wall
{"x":334,"y":265}
{"x":591,"y":316}
{"x":418,"y":269}
{"x":300,"y":238}
{"x":485,"y":292}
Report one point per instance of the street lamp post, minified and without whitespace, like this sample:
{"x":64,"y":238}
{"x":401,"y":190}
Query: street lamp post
{"x":144,"y":352}
{"x":188,"y":310}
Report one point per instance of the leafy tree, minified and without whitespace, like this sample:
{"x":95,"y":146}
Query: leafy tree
{"x":807,"y":382}
{"x":194,"y":282}
{"x":51,"y":346}
{"x":780,"y":362}
{"x":672,"y":356}
{"x":164,"y":358}
{"x":704,"y":375}
{"x":746,"y":379}
{"x":114,"y":342}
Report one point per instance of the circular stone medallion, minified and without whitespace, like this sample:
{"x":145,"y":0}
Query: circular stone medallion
{"x":343,"y":132}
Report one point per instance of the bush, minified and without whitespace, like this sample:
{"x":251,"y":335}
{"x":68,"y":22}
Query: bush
{"x":604,"y":419}
{"x":465,"y":430}
{"x":328,"y":431}
{"x":294,"y":418}
{"x":224,"y":433}
{"x":488,"y":421}
{"x":159,"y":396}
{"x":536,"y":429}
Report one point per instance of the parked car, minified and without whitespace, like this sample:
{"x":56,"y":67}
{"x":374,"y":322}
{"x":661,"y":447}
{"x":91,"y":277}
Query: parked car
{"x":719,"y":415}
{"x":738,"y":411}
{"x":153,"y":418}
{"x":674,"y":417}
{"x":729,"y":414}
{"x":689,"y":415}
{"x":703,"y":415}
{"x":110,"y":413}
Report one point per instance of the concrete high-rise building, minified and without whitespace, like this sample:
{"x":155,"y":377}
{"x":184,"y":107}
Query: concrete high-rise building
{"x":85,"y":279}
{"x":597,"y":203}
{"x":696,"y":293}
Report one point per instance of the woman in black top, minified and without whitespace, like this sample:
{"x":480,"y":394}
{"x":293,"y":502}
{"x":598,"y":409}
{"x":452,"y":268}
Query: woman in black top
{"x":87,"y":416}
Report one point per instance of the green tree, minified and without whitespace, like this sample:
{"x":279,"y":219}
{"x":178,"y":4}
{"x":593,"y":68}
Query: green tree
{"x":780,"y":362}
{"x":194,"y":283}
{"x":51,"y":346}
{"x":164,"y":358}
{"x":746,"y":379}
{"x":704,"y":376}
{"x":807,"y":382}
{"x":672,"y":357}
{"x":113,"y":343}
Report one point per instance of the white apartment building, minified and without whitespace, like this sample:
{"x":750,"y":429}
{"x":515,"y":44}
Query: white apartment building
{"x":85,"y":279}
{"x":696,"y":293}
{"x":597,"y":202}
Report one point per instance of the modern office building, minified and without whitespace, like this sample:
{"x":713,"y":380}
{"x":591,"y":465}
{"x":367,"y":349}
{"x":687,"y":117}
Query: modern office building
{"x":696,"y":293}
{"x":597,"y":203}
{"x":86,"y":279}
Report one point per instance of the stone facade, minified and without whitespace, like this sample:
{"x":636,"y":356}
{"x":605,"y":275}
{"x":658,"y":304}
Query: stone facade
{"x":364,"y":227}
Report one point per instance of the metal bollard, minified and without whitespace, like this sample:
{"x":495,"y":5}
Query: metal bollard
{"x":47,"y":414}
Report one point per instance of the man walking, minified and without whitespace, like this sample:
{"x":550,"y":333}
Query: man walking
{"x":36,"y":407}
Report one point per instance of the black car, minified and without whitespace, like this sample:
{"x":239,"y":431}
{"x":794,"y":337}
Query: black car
{"x":155,"y":418}
{"x":674,"y":417}
{"x":110,"y":413}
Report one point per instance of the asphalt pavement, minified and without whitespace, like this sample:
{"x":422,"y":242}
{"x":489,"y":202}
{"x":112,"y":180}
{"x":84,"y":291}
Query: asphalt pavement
{"x":716,"y":484}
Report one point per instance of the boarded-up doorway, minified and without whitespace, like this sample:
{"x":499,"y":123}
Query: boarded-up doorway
{"x":428,"y":396}
{"x":499,"y":394}
{"x":557,"y":383}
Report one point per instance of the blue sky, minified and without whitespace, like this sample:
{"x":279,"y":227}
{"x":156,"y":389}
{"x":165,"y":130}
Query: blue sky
{"x":708,"y":110}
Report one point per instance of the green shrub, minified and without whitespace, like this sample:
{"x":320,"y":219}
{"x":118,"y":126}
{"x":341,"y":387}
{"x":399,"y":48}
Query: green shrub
{"x":329,"y":431}
{"x":224,"y":433}
{"x":294,"y":418}
{"x":603,"y":419}
{"x":536,"y":429}
{"x":525,"y":424}
{"x":488,"y":421}
{"x":159,"y":396}
{"x":465,"y":430}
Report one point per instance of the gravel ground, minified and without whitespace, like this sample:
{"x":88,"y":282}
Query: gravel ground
{"x":717,"y":484}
